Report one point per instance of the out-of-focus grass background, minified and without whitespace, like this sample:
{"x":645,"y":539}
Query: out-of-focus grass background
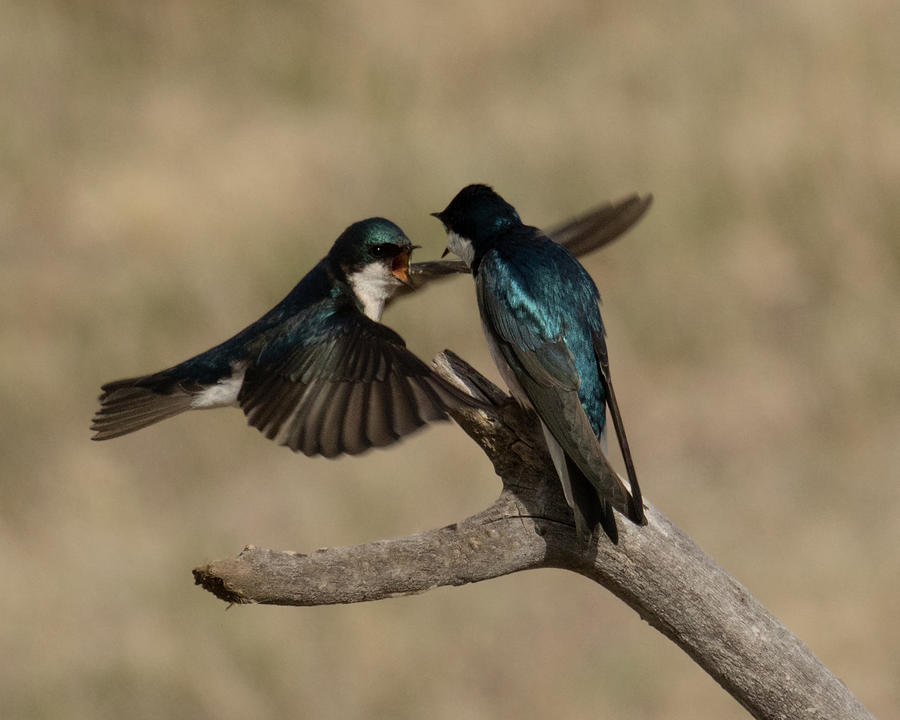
{"x":170,"y":170}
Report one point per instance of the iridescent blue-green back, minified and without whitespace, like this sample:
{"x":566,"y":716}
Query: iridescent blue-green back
{"x":547,"y":295}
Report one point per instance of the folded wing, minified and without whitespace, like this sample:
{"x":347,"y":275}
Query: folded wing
{"x":545,"y":368}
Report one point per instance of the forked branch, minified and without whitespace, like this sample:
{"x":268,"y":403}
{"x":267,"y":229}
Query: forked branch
{"x":656,"y":569}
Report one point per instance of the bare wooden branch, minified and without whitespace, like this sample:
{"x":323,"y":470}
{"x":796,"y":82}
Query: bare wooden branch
{"x":657,"y":569}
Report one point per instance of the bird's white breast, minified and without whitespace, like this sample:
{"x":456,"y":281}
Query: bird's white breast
{"x":373,"y":285}
{"x":506,"y":372}
{"x":461,"y":247}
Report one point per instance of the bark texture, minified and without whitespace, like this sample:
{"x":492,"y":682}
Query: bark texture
{"x":656,"y":569}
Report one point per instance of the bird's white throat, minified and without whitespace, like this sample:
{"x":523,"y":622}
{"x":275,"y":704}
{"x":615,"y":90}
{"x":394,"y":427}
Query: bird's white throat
{"x":461,"y":247}
{"x":373,"y":285}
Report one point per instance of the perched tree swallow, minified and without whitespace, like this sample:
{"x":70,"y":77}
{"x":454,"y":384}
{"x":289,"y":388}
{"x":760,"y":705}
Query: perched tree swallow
{"x":318,"y":372}
{"x":540,"y":314}
{"x":580,"y":235}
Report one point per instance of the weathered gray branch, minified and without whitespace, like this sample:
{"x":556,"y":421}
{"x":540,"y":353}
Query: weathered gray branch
{"x":657,"y":569}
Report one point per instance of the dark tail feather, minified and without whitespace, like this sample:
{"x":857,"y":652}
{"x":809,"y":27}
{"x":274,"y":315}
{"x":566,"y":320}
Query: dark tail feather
{"x":635,"y":500}
{"x":608,"y":522}
{"x":589,"y":508}
{"x":134,"y":403}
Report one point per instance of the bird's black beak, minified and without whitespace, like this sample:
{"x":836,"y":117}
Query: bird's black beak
{"x":438,"y":216}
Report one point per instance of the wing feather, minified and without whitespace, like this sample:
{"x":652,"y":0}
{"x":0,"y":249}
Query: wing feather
{"x":354,"y":385}
{"x":353,"y":434}
{"x":535,"y":349}
{"x":330,"y":434}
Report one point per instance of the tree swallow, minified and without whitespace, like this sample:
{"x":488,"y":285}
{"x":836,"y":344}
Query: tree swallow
{"x":580,"y":235}
{"x":540,"y":313}
{"x":318,"y":372}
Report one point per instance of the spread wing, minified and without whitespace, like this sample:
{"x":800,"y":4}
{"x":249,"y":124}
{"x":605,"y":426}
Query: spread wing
{"x":352,"y":386}
{"x":600,"y":225}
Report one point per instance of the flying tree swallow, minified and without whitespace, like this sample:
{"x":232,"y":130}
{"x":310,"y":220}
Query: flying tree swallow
{"x":540,"y":314}
{"x":318,"y":372}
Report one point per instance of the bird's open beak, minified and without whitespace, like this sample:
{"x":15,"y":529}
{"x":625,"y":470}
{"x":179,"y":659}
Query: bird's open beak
{"x":400,"y":266}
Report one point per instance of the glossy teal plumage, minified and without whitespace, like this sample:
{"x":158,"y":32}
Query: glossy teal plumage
{"x":540,"y":313}
{"x":314,"y":373}
{"x":540,"y":295}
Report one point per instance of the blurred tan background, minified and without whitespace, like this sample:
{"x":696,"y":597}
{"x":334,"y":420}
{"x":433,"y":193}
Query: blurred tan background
{"x":170,"y":170}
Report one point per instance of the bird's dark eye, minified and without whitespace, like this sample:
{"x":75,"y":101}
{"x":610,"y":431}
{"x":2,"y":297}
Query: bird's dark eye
{"x":385,"y":250}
